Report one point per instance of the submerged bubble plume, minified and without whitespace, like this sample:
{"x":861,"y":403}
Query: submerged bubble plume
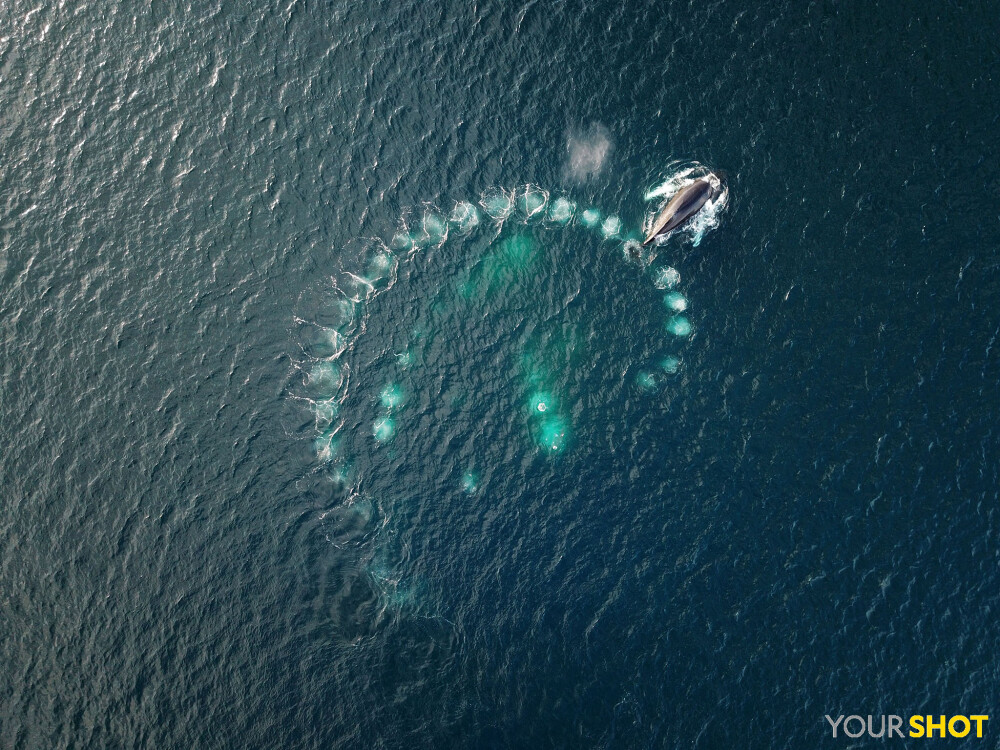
{"x":326,"y":410}
{"x":561,"y":210}
{"x":325,"y":445}
{"x":384,"y":429}
{"x":679,"y":325}
{"x":551,"y":434}
{"x":435,"y":228}
{"x":392,"y":396}
{"x":646,"y":381}
{"x":675,"y":301}
{"x":532,"y":201}
{"x":401,"y":241}
{"x":464,"y":217}
{"x":470,"y":482}
{"x":667,"y":278}
{"x":540,"y":402}
{"x":497,"y":203}
{"x":611,"y":227}
{"x":591,"y":218}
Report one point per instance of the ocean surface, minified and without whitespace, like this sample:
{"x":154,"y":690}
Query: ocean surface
{"x":340,"y":407}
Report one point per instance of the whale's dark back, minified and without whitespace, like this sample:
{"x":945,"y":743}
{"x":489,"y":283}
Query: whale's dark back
{"x":695,"y":196}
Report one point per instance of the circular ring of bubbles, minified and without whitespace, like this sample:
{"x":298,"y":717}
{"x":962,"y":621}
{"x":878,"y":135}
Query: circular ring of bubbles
{"x":338,"y":317}
{"x":342,"y":319}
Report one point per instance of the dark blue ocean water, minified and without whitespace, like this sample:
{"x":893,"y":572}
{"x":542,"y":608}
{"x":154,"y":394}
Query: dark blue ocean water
{"x":274,"y":470}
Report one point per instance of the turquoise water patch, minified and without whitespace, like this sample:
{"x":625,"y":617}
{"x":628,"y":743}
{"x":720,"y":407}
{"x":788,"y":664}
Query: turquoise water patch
{"x":470,"y":482}
{"x":561,"y":210}
{"x":384,"y":429}
{"x":675,"y":301}
{"x":464,"y":217}
{"x":435,"y":228}
{"x":401,"y":241}
{"x":381,"y":265}
{"x":551,"y":433}
{"x":506,"y":266}
{"x":540,"y":402}
{"x":670,"y":364}
{"x":497,"y":270}
{"x":647,"y":380}
{"x":392,"y":396}
{"x":679,"y":325}
{"x":611,"y":228}
{"x":532,"y":202}
{"x":497,"y":203}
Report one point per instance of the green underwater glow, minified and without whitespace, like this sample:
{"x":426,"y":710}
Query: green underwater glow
{"x":675,"y":301}
{"x":679,"y":325}
{"x":561,"y":210}
{"x":392,"y":396}
{"x":498,"y":269}
{"x":384,"y":429}
{"x":470,"y":482}
{"x":551,"y":433}
{"x":670,"y":364}
{"x":647,"y":381}
{"x":541,"y":402}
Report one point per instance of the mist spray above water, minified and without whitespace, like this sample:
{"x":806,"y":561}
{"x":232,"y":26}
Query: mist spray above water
{"x":587,"y":152}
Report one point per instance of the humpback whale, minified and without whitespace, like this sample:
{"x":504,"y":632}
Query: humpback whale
{"x":685,"y":204}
